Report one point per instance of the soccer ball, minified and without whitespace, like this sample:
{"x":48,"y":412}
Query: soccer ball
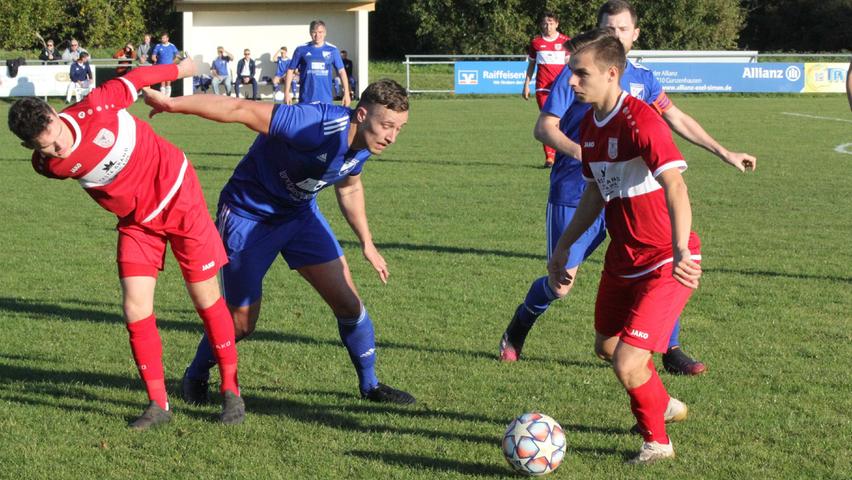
{"x":534,"y":444}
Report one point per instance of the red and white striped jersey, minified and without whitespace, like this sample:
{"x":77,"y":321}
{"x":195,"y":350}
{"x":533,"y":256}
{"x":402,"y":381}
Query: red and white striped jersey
{"x":624,"y":153}
{"x":117,"y":158}
{"x":550,"y":57}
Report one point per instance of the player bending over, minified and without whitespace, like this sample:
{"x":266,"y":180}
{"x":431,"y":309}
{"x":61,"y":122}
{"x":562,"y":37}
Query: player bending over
{"x":558,"y":126}
{"x":151,"y":187}
{"x":268,"y":208}
{"x":633,"y":168}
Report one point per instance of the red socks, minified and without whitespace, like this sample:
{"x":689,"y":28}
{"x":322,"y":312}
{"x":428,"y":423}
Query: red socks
{"x":148,"y":353}
{"x":219,"y":326}
{"x":648,"y":403}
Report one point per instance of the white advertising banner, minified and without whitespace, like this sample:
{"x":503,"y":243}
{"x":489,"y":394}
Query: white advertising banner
{"x":36,"y":81}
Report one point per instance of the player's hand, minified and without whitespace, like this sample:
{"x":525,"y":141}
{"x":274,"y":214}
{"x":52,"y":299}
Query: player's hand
{"x":156,"y":100}
{"x":347,"y":99}
{"x":186,"y":68}
{"x":685,"y":269}
{"x":371,"y":253}
{"x":526,"y":92}
{"x":741,"y":161}
{"x":288,"y":97}
{"x":556,"y":271}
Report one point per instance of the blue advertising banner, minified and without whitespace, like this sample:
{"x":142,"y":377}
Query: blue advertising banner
{"x":729,"y":77}
{"x":490,"y":77}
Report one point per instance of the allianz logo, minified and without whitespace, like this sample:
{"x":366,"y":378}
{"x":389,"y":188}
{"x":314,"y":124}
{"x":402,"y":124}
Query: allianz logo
{"x":791,"y":73}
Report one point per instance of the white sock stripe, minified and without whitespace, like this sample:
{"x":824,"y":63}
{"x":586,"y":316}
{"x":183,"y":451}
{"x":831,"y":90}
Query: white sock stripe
{"x":354,"y":320}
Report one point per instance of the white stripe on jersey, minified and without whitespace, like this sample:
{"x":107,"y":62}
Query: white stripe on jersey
{"x":108,"y":168}
{"x":130,"y":87}
{"x":165,"y":201}
{"x":656,"y":266}
{"x":334,"y":126}
{"x":624,"y":179}
{"x":550,"y":57}
{"x":76,"y":127}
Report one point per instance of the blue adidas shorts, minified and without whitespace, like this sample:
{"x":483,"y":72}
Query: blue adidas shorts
{"x":558,"y":218}
{"x":252,"y":246}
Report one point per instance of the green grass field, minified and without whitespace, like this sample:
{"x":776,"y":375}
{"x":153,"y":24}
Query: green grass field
{"x":457,"y":209}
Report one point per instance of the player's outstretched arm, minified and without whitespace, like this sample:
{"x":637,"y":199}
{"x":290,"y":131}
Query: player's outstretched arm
{"x":685,"y":270}
{"x":547,"y":132}
{"x":254,"y":115}
{"x":688,"y":128}
{"x":590,"y":206}
{"x":350,"y":198}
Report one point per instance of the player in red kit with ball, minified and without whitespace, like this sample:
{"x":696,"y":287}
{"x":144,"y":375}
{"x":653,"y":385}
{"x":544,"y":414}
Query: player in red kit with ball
{"x":153,"y":190}
{"x":547,"y":51}
{"x":633,"y":168}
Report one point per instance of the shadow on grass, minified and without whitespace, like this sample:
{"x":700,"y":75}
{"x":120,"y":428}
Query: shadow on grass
{"x":85,"y":313}
{"x":435,"y":464}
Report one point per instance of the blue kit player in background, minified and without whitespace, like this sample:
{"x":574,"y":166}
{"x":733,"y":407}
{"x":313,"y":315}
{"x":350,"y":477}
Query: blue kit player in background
{"x":558,"y":126}
{"x":164,"y":54}
{"x":268,"y":208}
{"x":314,"y":61}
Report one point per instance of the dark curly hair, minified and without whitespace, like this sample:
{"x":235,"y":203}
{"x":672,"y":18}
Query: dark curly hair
{"x":385,"y":92}
{"x":29,"y":117}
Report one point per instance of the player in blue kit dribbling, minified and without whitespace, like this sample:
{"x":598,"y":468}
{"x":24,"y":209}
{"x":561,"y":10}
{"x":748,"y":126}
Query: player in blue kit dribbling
{"x":558,"y":126}
{"x":268,"y":208}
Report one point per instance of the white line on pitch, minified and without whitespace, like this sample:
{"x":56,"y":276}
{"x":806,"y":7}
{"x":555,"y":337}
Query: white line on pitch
{"x":845,"y":148}
{"x":817,"y":117}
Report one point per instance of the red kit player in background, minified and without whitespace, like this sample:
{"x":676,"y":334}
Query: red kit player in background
{"x":548,"y":52}
{"x":153,"y":190}
{"x":633,"y":168}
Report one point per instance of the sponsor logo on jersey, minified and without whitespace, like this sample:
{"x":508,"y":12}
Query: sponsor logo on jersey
{"x":311,"y":184}
{"x":589,"y":144}
{"x":208,"y":266}
{"x":637,"y":90}
{"x":104,"y":138}
{"x":637,"y":333}
{"x":612,"y":148}
{"x":76,"y":167}
{"x":326,"y":54}
{"x":348,"y":165}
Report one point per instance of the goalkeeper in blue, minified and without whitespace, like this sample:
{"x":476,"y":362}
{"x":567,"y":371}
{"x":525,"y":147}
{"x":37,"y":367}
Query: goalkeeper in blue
{"x":269,"y":208}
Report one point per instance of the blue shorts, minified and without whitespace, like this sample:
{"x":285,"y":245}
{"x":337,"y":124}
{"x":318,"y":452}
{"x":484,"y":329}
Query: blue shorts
{"x":558,"y":218}
{"x":306,"y":239}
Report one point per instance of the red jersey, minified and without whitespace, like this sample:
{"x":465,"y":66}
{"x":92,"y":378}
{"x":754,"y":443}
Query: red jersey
{"x":117,"y":158}
{"x":550,"y":57}
{"x":624,"y":154}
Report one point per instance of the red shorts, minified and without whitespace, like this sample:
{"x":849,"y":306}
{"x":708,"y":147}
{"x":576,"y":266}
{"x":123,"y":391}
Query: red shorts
{"x":541,"y":97}
{"x":642,"y":311}
{"x":186,"y":225}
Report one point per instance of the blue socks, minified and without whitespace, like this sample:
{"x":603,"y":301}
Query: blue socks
{"x":674,"y":340}
{"x":360,"y":340}
{"x":204,"y":360}
{"x":539,"y":297}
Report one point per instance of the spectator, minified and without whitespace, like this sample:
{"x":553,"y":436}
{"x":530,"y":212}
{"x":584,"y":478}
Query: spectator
{"x":348,"y":66}
{"x":81,"y":78}
{"x":281,"y":60}
{"x":49,"y":54}
{"x":72,"y":53}
{"x":219,"y":70}
{"x":143,"y":53}
{"x":163,"y":54}
{"x":245,"y":74}
{"x":125,"y":56}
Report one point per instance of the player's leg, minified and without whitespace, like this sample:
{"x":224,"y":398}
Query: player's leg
{"x":541,"y":294}
{"x":549,"y":152}
{"x":317,"y":256}
{"x":251,"y":248}
{"x":676,"y":361}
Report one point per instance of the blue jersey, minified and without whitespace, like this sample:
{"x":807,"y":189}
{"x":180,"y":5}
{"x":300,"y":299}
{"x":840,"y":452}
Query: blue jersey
{"x":80,"y":73}
{"x":566,"y":180}
{"x":281,"y":66}
{"x":306,"y":150}
{"x":165,"y":53}
{"x":316,"y":67}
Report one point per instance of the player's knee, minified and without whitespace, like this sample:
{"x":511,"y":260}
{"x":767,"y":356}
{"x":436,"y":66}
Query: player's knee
{"x":562,"y":290}
{"x":137,"y":310}
{"x":349,"y":309}
{"x":245,"y":322}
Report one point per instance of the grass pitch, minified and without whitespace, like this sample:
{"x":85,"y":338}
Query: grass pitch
{"x":457,"y":209}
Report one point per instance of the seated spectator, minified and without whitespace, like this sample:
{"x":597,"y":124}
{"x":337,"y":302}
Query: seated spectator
{"x":143,"y":53}
{"x":72,"y":53}
{"x":219,"y":71}
{"x":50,"y":54}
{"x":348,"y":66}
{"x":81,"y":78}
{"x":245,"y":74}
{"x":125,"y":56}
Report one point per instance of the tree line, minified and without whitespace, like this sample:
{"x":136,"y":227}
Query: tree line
{"x":400,"y":27}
